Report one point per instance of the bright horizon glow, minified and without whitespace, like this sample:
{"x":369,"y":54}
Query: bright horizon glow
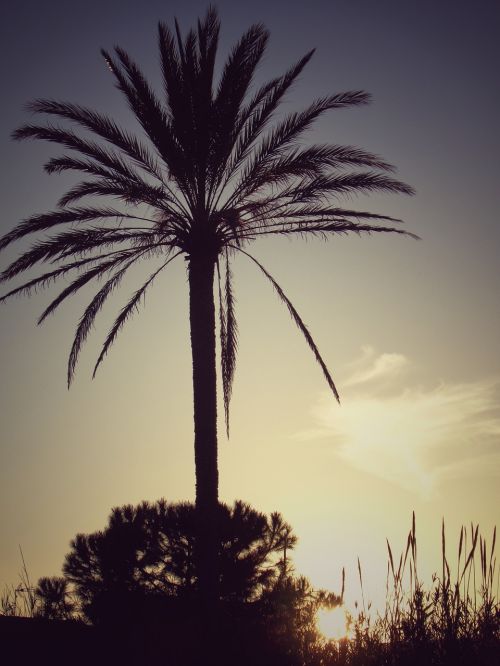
{"x":333,"y":623}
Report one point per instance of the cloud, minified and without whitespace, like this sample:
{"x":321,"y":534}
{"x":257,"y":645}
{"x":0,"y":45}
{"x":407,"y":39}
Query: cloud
{"x":414,"y":437}
{"x":370,"y":366}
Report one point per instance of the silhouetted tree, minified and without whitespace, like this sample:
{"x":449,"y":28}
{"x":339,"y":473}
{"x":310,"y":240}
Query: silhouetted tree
{"x":54,"y":598}
{"x":213,"y":178}
{"x":136,"y":578}
{"x":288,"y":610}
{"x":148,"y":551}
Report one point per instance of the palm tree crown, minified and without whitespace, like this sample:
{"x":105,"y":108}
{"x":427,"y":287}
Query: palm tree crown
{"x":211,"y":179}
{"x":213,"y":175}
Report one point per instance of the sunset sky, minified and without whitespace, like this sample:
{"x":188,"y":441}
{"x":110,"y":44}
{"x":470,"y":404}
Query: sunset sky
{"x":409,"y":329}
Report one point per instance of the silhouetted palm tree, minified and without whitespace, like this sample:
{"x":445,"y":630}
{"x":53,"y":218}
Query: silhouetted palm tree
{"x":213,"y":177}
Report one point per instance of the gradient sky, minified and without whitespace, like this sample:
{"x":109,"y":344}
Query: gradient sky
{"x":409,"y":329}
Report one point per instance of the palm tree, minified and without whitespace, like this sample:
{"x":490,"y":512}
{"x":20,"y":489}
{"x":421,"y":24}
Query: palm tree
{"x":212,"y":176}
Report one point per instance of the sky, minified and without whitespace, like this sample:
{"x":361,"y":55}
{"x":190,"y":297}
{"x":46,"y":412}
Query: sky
{"x":409,"y":329}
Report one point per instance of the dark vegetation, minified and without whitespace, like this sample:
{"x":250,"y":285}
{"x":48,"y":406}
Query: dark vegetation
{"x":135,"y":582}
{"x":130,"y":593}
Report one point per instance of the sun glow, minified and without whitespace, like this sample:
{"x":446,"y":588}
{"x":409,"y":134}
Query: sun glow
{"x":333,"y":623}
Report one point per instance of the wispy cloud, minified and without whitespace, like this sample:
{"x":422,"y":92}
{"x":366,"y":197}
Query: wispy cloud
{"x":370,"y":366}
{"x":413,"y":437}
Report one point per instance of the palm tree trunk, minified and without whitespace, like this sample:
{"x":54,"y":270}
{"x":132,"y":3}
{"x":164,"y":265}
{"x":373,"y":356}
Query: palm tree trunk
{"x":202,"y":321}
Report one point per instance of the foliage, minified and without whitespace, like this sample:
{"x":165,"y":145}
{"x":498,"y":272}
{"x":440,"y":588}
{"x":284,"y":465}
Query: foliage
{"x":148,"y":550}
{"x":271,"y":620}
{"x":54,"y":598}
{"x":289,"y":610}
{"x":209,"y":175}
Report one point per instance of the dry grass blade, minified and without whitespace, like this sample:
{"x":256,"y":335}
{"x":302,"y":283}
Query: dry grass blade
{"x":391,"y":561}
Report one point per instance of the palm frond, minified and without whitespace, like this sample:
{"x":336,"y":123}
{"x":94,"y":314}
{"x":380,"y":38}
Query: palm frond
{"x":155,"y":195}
{"x":153,"y":120}
{"x":131,"y":192}
{"x":195,"y":121}
{"x":264,"y":218}
{"x":151,"y":113}
{"x":44,"y":221}
{"x":108,"y":158}
{"x":222,"y":331}
{"x":237,"y":74}
{"x":88,"y":317}
{"x":273,"y":212}
{"x":228,"y":337}
{"x":298,"y":321}
{"x":172,"y":79}
{"x":312,"y":194}
{"x":180,"y":103}
{"x":208,"y":39}
{"x":46,"y":279}
{"x":74,"y":242}
{"x":336,"y":156}
{"x":288,"y":131}
{"x":310,"y":163}
{"x":127,"y":311}
{"x":322,"y":229}
{"x":111,"y":165}
{"x":233,"y":86}
{"x":69,"y":163}
{"x":104,"y":127}
{"x":320,"y":211}
{"x":252,"y":120}
{"x":348,"y":183}
{"x":88,"y":276}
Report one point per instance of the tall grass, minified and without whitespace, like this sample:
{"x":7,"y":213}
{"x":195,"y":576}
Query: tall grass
{"x":455,"y":620}
{"x":20,"y":600}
